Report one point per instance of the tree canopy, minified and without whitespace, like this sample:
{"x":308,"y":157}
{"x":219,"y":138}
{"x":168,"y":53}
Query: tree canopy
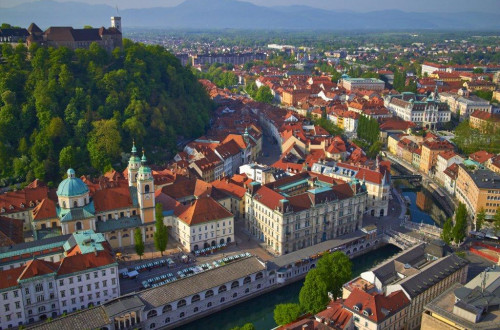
{"x":161,"y":231}
{"x":460,"y":228}
{"x":331,"y":272}
{"x":82,"y":108}
{"x":286,"y":313}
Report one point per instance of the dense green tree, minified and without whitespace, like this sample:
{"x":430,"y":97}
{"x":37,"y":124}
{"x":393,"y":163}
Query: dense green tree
{"x":484,"y":94}
{"x":460,"y":228}
{"x":139,"y":243}
{"x":447,"y":233}
{"x":480,"y":218}
{"x":286,"y":313}
{"x":335,"y":269}
{"x":104,"y":144}
{"x":496,"y":222}
{"x":51,"y":99}
{"x":246,"y":326}
{"x":313,"y":295}
{"x":368,"y":129}
{"x":161,"y":231}
{"x":264,"y":95}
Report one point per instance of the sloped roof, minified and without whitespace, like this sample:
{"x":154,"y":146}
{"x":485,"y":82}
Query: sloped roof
{"x":82,"y":262}
{"x":11,"y":231}
{"x":45,"y":210}
{"x":38,"y":267}
{"x":204,"y":209}
{"x":186,"y":188}
{"x":112,"y":199}
{"x":376,"y":307}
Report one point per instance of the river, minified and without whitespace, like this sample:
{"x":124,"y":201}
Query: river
{"x":259,"y":310}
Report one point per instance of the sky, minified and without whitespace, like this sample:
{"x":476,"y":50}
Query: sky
{"x":354,"y":5}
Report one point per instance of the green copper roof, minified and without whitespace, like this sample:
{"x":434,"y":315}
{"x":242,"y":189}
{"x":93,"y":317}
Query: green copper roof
{"x":79,"y":213}
{"x":72,"y":186}
{"x":134,"y":159}
{"x":144,"y":170}
{"x":118,"y":224}
{"x":88,"y":241}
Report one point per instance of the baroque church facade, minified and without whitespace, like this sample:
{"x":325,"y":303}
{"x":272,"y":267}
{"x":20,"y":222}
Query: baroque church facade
{"x":116,"y":211}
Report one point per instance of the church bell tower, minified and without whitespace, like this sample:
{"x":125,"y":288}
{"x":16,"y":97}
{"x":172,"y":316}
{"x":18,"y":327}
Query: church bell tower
{"x":146,"y":191}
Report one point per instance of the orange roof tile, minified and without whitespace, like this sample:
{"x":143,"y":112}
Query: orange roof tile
{"x":45,"y":210}
{"x":204,"y":209}
{"x":38,"y":267}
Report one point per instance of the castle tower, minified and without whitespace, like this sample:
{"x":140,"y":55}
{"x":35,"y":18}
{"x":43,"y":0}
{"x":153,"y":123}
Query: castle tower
{"x":133,"y":166}
{"x":116,"y":22}
{"x":146,"y":191}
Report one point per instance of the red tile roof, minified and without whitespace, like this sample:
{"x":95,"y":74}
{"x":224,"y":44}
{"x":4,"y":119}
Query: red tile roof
{"x":112,"y":199}
{"x":45,"y":210}
{"x":204,"y":209}
{"x":11,"y":231}
{"x":481,"y":156}
{"x":38,"y":267}
{"x":335,"y":315}
{"x":229,"y":188}
{"x":81,"y":262}
{"x":377,"y":306}
{"x":9,"y":277}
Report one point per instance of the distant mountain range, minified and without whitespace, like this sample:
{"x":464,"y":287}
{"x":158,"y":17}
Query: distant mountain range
{"x":220,"y":14}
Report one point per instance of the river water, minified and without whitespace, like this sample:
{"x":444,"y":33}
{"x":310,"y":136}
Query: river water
{"x":259,"y":310}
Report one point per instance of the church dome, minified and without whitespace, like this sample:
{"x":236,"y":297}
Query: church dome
{"x":72,"y":186}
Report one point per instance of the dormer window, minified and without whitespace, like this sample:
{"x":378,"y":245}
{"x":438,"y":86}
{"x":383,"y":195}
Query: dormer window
{"x":22,"y":205}
{"x":11,"y":207}
{"x":2,"y":210}
{"x":32,"y":204}
{"x":356,"y":308}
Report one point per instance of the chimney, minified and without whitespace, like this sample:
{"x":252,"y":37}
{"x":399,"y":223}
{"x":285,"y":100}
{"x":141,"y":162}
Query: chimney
{"x":283,"y":205}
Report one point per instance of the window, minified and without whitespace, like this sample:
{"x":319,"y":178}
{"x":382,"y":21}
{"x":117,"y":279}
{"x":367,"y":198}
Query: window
{"x":235,"y":284}
{"x":87,"y":276}
{"x":95,"y":275}
{"x":259,"y":276}
{"x":166,"y":308}
{"x":181,"y":303}
{"x":18,"y":304}
{"x":209,"y":305}
{"x":222,"y":299}
{"x":89,"y":287}
{"x":39,"y":287}
{"x":167,"y":320}
{"x":152,"y":326}
{"x":195,"y":298}
{"x":16,"y":294}
{"x":152,"y":313}
{"x":79,"y":278}
{"x":61,"y":282}
{"x":71,"y":280}
{"x":209,"y":293}
{"x":247,"y":290}
{"x":223,"y":288}
{"x":63,"y":294}
{"x":103,"y":272}
{"x":105,"y":283}
{"x":96,"y":285}
{"x":195,"y":310}
{"x":6,"y":307}
{"x":72,"y":291}
{"x":235,"y":295}
{"x":5,"y":296}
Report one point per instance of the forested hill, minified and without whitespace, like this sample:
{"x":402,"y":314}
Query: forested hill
{"x":82,"y":109}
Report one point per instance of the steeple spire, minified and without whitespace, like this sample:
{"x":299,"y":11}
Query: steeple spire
{"x":143,"y":159}
{"x":134,"y":149}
